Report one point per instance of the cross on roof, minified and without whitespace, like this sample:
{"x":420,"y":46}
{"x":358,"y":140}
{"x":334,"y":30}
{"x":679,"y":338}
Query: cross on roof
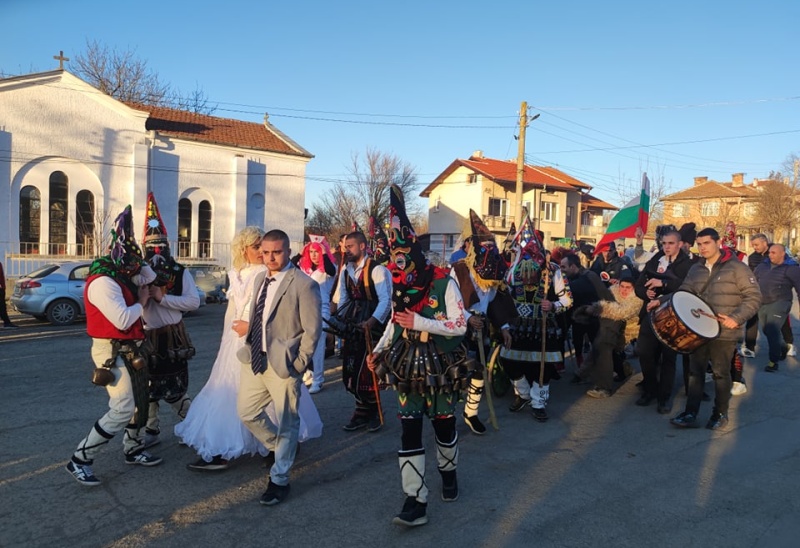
{"x":60,"y":58}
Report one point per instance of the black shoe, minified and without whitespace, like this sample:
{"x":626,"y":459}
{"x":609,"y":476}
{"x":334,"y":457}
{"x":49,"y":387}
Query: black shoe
{"x":355,"y":424}
{"x":539,"y":414}
{"x":217,"y":463}
{"x":374,"y":424}
{"x":475,"y":424}
{"x":771,"y":367}
{"x":663,"y":408}
{"x":518,"y":404}
{"x":412,"y":514}
{"x":275,"y":494}
{"x":645,"y":400}
{"x":685,"y":420}
{"x":449,"y":486}
{"x":11,"y":326}
{"x":717,"y":421}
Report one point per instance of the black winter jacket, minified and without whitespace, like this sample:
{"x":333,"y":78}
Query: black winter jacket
{"x":776,"y":281}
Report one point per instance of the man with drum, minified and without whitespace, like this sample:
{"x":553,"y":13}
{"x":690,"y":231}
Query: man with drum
{"x":727,"y":285}
{"x":662,"y":275}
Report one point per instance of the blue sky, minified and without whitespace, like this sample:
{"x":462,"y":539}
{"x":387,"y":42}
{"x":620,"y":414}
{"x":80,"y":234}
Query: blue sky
{"x":678,"y":89}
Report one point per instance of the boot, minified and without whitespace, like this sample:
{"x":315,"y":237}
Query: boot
{"x":412,"y":514}
{"x":539,"y":397}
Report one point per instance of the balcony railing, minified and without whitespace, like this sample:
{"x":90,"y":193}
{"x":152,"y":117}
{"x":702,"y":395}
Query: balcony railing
{"x":591,"y":230}
{"x":496,"y":222}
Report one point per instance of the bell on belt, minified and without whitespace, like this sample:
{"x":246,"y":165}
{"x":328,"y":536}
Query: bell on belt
{"x":138,"y":362}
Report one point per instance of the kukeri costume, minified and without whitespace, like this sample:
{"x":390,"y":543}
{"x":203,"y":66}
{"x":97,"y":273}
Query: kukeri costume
{"x":532,"y":281}
{"x":164,"y":327}
{"x":113,"y":320}
{"x":480,"y":281}
{"x":425,"y":363}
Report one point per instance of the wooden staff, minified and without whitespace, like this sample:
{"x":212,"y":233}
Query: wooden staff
{"x":375,"y":387}
{"x":486,"y":387}
{"x":546,"y":280}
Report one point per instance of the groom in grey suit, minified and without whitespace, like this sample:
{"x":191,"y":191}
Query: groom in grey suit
{"x":285,"y":325}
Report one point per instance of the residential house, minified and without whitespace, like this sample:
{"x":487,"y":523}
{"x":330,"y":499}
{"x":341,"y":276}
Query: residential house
{"x":558,"y":204}
{"x":72,"y":158}
{"x":710,"y":203}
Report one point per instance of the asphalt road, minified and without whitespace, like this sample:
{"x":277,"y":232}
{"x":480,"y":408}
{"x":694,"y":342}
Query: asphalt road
{"x":600,"y":472}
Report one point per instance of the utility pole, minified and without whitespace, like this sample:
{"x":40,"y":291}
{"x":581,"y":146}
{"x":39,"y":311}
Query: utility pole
{"x":523,"y":123}
{"x":518,"y":191}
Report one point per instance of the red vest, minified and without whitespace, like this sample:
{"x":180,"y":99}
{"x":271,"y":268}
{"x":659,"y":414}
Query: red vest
{"x":98,"y":326}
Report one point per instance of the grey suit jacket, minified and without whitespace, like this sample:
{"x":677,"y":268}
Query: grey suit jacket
{"x":294,"y":323}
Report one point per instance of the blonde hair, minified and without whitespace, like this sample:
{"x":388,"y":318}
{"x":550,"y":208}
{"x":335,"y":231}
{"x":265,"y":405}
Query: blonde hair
{"x":248,"y":236}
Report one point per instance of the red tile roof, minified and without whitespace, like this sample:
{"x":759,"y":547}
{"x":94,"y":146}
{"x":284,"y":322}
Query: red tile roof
{"x":590,"y":201}
{"x":504,"y":172}
{"x":713,"y":189}
{"x":222,"y":131}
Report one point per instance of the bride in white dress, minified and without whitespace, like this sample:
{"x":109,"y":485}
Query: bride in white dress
{"x":212,"y":427}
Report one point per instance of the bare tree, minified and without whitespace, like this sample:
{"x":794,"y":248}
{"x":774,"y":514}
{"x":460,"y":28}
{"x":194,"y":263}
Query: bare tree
{"x":124,"y":76}
{"x":777,"y":205}
{"x":365,"y":193}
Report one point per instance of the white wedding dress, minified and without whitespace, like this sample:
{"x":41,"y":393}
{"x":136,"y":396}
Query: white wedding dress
{"x":212,"y":427}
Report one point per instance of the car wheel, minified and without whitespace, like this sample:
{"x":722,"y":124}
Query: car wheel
{"x":62,"y":312}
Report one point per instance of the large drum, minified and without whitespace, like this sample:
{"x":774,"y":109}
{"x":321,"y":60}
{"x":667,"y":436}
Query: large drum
{"x":684,"y":322}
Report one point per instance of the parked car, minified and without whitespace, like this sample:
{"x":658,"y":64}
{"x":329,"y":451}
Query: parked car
{"x":53,"y":292}
{"x":212,"y":279}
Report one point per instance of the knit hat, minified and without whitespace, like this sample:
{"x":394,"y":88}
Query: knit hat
{"x":688,"y":233}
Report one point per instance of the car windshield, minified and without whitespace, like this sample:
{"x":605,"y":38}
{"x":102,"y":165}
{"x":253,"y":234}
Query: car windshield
{"x":42,"y":272}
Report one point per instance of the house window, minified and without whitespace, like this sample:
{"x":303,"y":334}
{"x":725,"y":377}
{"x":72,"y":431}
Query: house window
{"x":204,"y":229}
{"x":184,"y":227}
{"x":57,"y":235}
{"x":498,"y":207}
{"x":750,"y":210}
{"x":709,"y":209}
{"x":680,"y":210}
{"x":570,"y":213}
{"x":30,"y":204}
{"x":84,"y":223}
{"x":472,"y":178}
{"x":550,"y":211}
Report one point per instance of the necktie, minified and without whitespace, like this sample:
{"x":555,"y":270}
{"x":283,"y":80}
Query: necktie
{"x":256,"y":361}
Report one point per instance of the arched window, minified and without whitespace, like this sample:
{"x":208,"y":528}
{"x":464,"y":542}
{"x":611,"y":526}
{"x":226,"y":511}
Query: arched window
{"x":204,"y":229}
{"x":57,"y":235}
{"x":30,"y":208}
{"x":184,"y":227}
{"x":84,"y":223}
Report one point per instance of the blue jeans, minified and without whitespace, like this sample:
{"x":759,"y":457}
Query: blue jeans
{"x":771,"y":317}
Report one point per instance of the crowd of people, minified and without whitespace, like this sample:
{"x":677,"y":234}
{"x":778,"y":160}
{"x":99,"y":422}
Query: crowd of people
{"x":422,"y":333}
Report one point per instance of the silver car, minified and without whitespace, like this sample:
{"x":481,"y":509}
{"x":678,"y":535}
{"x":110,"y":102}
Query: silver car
{"x":53,"y":293}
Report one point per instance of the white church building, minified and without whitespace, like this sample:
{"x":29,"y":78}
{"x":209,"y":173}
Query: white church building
{"x":72,"y":158}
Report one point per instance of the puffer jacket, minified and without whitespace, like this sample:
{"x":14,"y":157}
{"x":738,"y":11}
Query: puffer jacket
{"x":776,"y":281}
{"x":731,"y":290}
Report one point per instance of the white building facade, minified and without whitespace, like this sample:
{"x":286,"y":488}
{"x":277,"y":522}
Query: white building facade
{"x":72,"y":158}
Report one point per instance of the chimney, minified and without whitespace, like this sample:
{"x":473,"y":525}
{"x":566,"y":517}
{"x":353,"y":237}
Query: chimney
{"x":738,"y":179}
{"x":477,"y":154}
{"x":700,"y":181}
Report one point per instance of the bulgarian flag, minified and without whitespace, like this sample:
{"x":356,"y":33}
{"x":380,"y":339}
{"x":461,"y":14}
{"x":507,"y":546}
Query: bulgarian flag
{"x":633,"y":215}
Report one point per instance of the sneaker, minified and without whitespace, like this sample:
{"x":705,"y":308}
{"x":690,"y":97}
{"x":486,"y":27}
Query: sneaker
{"x":449,"y":486}
{"x":539,"y":414}
{"x":150,"y":440}
{"x":83,"y":474}
{"x":738,"y":389}
{"x":790,"y":351}
{"x":412,"y":514}
{"x":717,"y":421}
{"x":598,"y":393}
{"x":685,"y":420}
{"x":518,"y":404}
{"x":314,"y":388}
{"x":144,"y":459}
{"x":374,"y":424}
{"x":217,"y":463}
{"x":746,"y":352}
{"x":275,"y":494}
{"x":355,"y":424}
{"x":475,"y":424}
{"x":771,"y":367}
